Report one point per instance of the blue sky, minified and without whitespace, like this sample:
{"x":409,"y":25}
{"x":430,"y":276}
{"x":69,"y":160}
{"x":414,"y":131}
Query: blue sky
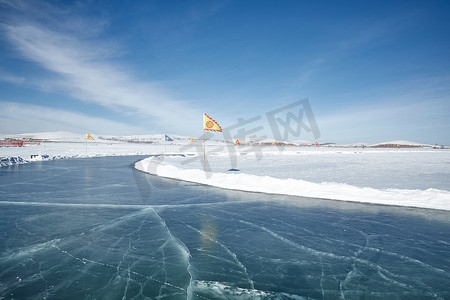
{"x":372,"y":71}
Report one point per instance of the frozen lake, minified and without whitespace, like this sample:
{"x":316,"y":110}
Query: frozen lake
{"x":98,"y":229}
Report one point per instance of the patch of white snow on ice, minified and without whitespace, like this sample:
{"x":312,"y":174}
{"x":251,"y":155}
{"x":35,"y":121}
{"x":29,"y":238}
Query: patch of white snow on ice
{"x":430,"y":198}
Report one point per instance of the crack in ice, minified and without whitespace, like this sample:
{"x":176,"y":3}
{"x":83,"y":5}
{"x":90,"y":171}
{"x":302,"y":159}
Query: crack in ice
{"x":232,"y":254}
{"x":318,"y":253}
{"x":189,"y":290}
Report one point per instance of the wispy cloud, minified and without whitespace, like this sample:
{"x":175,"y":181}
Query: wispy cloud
{"x":20,"y":118}
{"x":79,"y":68}
{"x":11,"y":78}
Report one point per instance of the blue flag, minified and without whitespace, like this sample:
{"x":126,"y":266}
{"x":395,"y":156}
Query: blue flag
{"x":167,"y":138}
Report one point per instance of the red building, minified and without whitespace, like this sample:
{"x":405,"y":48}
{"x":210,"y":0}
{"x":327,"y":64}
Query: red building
{"x":11,"y":143}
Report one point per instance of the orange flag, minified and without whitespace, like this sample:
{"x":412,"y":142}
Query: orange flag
{"x":237,"y":142}
{"x":210,"y":124}
{"x":89,"y":137}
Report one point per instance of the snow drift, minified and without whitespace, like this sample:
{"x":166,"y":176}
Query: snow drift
{"x":429,"y":198}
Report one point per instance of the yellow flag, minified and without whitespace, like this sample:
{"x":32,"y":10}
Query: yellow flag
{"x":210,"y":124}
{"x":89,"y":137}
{"x":192,"y":140}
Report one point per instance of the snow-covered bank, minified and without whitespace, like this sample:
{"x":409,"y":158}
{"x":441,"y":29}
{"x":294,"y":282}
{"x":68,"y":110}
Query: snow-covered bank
{"x":63,"y":150}
{"x":18,"y":160}
{"x":429,"y":198}
{"x":12,"y":160}
{"x":61,"y":145}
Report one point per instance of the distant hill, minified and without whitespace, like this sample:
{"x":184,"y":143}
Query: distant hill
{"x":70,"y":137}
{"x":399,"y":144}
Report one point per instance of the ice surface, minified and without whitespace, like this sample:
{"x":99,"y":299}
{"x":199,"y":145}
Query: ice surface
{"x":99,"y":229}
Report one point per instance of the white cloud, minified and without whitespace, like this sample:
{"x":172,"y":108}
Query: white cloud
{"x":19,"y":118}
{"x":84,"y":73}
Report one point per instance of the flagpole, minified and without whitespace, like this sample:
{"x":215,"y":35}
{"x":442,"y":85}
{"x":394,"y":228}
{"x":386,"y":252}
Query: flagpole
{"x":86,"y":146}
{"x":204,"y":152}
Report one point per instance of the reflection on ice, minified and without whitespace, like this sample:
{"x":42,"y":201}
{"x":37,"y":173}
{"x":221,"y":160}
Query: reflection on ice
{"x":208,"y":237}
